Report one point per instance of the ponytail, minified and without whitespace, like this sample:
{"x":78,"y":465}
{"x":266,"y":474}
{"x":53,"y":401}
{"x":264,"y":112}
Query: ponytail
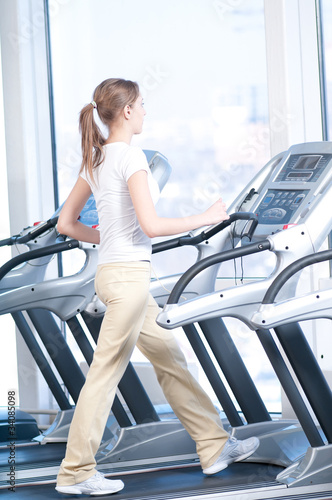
{"x":92,"y":141}
{"x":109,"y":99}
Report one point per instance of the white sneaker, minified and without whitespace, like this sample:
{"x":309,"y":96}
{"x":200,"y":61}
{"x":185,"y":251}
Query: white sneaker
{"x":95,"y":486}
{"x":233,"y":451}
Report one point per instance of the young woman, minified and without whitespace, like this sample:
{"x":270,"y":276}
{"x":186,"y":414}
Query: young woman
{"x":125,"y":194}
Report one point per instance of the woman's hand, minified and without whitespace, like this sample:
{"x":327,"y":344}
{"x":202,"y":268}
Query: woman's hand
{"x":216,"y":213}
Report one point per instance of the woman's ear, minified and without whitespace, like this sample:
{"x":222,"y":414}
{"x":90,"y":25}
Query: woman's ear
{"x":127,"y":112}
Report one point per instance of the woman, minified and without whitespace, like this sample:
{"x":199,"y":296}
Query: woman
{"x":125,"y":193}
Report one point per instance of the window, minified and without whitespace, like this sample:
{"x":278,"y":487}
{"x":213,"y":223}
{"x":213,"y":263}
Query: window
{"x":8,"y":365}
{"x":201,"y":68}
{"x":326,"y":17}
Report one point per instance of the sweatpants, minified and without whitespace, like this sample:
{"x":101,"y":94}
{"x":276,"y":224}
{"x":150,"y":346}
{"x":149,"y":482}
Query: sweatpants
{"x":130,"y":320}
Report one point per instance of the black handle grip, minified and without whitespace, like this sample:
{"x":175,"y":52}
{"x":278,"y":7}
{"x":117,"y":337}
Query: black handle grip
{"x":206,"y":234}
{"x":34,"y":233}
{"x":217,"y":258}
{"x":37,"y":231}
{"x":293,"y":268}
{"x":35,"y":254}
{"x":8,"y":241}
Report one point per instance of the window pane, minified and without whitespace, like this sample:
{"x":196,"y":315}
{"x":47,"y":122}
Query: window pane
{"x":201,"y":67}
{"x":326,"y":16}
{"x":8,"y":365}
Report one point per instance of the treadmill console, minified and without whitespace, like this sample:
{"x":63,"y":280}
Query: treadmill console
{"x":303,"y":168}
{"x":293,"y":187}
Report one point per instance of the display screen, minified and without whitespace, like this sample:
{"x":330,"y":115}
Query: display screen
{"x":299,"y":175}
{"x":303,"y":168}
{"x":307,"y":162}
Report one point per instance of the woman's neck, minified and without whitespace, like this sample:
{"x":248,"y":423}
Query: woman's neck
{"x":121,"y":134}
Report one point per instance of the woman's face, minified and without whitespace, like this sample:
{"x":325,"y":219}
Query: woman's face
{"x":138,"y":113}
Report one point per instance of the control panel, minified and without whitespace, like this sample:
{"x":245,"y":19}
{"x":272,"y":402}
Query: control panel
{"x":279,"y":206}
{"x":293,"y":187}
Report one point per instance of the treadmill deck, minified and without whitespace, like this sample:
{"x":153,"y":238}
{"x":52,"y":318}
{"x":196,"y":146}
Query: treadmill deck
{"x":158,"y":481}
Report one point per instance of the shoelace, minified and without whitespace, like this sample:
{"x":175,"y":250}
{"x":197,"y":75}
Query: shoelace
{"x":232,"y":450}
{"x":95,"y":480}
{"x":232,"y":440}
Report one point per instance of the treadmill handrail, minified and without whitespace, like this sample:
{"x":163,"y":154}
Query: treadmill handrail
{"x":35,"y":254}
{"x":188,"y":239}
{"x":34,"y":233}
{"x":217,"y":258}
{"x":290,"y":270}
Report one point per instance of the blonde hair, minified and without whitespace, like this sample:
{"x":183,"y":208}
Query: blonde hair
{"x":109,"y":98}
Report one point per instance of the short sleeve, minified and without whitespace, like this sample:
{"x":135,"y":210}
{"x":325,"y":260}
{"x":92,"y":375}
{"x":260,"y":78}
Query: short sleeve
{"x":85,"y":177}
{"x":133,"y":161}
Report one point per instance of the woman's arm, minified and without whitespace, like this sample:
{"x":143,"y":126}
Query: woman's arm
{"x":68,"y":223}
{"x":153,"y":225}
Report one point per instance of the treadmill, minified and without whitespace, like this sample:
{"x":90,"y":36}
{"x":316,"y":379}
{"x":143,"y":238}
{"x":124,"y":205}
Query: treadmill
{"x":257,"y":477}
{"x":291,"y":206}
{"x":24,"y":289}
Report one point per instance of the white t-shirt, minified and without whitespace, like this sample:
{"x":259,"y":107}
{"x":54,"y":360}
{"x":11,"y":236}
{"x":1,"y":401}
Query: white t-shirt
{"x":121,"y":236}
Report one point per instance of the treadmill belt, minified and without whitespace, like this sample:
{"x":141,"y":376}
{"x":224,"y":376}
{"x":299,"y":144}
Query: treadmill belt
{"x":168,"y":484}
{"x":25,"y":455}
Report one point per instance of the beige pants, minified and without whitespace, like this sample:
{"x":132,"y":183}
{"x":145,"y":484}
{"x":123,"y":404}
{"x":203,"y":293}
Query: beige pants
{"x":130,"y":320}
